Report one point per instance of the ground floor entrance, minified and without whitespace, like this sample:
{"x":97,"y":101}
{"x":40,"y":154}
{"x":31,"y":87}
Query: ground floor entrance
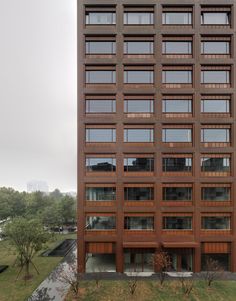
{"x":138,"y":260}
{"x":181,"y":259}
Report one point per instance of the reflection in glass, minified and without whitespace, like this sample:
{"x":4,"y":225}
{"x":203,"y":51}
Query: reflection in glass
{"x":138,"y":106}
{"x":139,"y":223}
{"x":177,"y":106}
{"x":138,"y":77}
{"x":100,"y":47}
{"x":215,"y":77}
{"x":100,"y":135}
{"x":213,"y":47}
{"x":101,"y":164}
{"x":100,"y":77}
{"x":215,"y":106}
{"x":215,"y":18}
{"x":100,"y":223}
{"x":100,"y":106}
{"x":215,"y":135}
{"x":100,"y":18}
{"x":138,"y":18}
{"x":177,"y":223}
{"x":176,"y":135}
{"x":215,"y":164}
{"x":139,"y":164}
{"x":100,"y":193}
{"x":215,"y":193}
{"x":138,"y":47}
{"x":177,"y":193}
{"x":177,"y":47}
{"x":177,"y":77}
{"x":216,"y":222}
{"x":138,"y":135}
{"x":177,"y":18}
{"x":177,"y":164}
{"x":139,"y":193}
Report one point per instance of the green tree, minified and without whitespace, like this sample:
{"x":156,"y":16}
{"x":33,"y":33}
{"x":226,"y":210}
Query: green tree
{"x":27,"y":236}
{"x":67,"y":210}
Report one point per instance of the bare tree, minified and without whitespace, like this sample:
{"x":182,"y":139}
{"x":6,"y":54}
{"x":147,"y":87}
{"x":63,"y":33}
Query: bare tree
{"x":213,"y":271}
{"x":71,"y":277}
{"x":163,"y":261}
{"x":187,"y":285}
{"x":133,"y":283}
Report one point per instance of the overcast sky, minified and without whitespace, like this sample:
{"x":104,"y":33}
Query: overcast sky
{"x":38,"y":93}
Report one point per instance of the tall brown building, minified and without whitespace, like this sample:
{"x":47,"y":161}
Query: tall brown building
{"x":156,"y":144}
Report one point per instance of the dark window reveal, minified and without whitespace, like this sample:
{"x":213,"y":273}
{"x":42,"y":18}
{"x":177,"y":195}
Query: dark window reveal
{"x":139,"y":164}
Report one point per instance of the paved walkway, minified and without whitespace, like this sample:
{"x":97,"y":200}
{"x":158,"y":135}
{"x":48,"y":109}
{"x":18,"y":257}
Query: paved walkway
{"x":52,"y":288}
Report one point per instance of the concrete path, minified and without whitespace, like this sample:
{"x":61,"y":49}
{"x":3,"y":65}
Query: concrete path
{"x":52,"y":288}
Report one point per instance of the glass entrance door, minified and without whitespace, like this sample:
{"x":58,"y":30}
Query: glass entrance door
{"x":181,"y":260}
{"x":138,"y":260}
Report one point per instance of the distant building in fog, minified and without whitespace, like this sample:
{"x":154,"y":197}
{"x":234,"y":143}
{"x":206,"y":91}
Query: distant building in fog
{"x":36,"y":185}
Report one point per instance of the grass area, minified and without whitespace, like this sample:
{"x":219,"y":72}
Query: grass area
{"x":152,"y":291}
{"x":12,"y":290}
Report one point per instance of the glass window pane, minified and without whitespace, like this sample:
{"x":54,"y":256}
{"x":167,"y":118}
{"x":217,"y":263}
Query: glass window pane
{"x":215,"y":135}
{"x":176,"y":135}
{"x":100,"y":223}
{"x":100,"y":135}
{"x":215,"y":194}
{"x":215,"y":106}
{"x":138,"y":193}
{"x":138,"y":106}
{"x":177,"y":194}
{"x":177,"y":164}
{"x":100,"y":106}
{"x":137,"y":18}
{"x":212,"y":18}
{"x":100,"y":194}
{"x":138,"y":77}
{"x":215,"y":77}
{"x":211,"y":47}
{"x":100,"y":18}
{"x":139,"y":164}
{"x":101,"y":77}
{"x":177,"y":223}
{"x":101,"y":164}
{"x":100,"y":47}
{"x":139,"y":223}
{"x":177,"y":77}
{"x":216,"y":222}
{"x":138,"y":47}
{"x":176,"y":47}
{"x":138,"y":135}
{"x":177,"y":18}
{"x":215,"y":164}
{"x":177,"y":106}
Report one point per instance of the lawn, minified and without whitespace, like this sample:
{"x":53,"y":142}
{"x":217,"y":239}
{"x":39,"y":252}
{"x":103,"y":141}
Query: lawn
{"x":12,"y":290}
{"x":151,"y":291}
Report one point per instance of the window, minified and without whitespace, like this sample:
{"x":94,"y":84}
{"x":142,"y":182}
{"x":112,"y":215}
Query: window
{"x":215,"y":77}
{"x":177,"y":135}
{"x":139,"y":193}
{"x":100,"y":193}
{"x":101,"y":164}
{"x":215,"y":18}
{"x":100,"y":135}
{"x":176,"y":77}
{"x":215,"y":164}
{"x":100,"y":47}
{"x":177,"y":193}
{"x":139,"y":223}
{"x":177,"y":223}
{"x":138,"y":135}
{"x":139,"y":164}
{"x":100,"y":18}
{"x":138,"y":47}
{"x":177,"y":164}
{"x":177,"y":106}
{"x":215,"y":135}
{"x":177,"y":18}
{"x":215,"y":106}
{"x":100,"y":223}
{"x":216,"y":222}
{"x":138,"y":18}
{"x":221,"y":258}
{"x":215,"y":193}
{"x":138,"y":106}
{"x":100,"y":77}
{"x":215,"y":47}
{"x":177,"y":47}
{"x":138,"y":77}
{"x":100,"y":106}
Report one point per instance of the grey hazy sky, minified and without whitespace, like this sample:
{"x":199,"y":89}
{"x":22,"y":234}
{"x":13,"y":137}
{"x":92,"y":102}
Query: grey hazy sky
{"x":38,"y":93}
